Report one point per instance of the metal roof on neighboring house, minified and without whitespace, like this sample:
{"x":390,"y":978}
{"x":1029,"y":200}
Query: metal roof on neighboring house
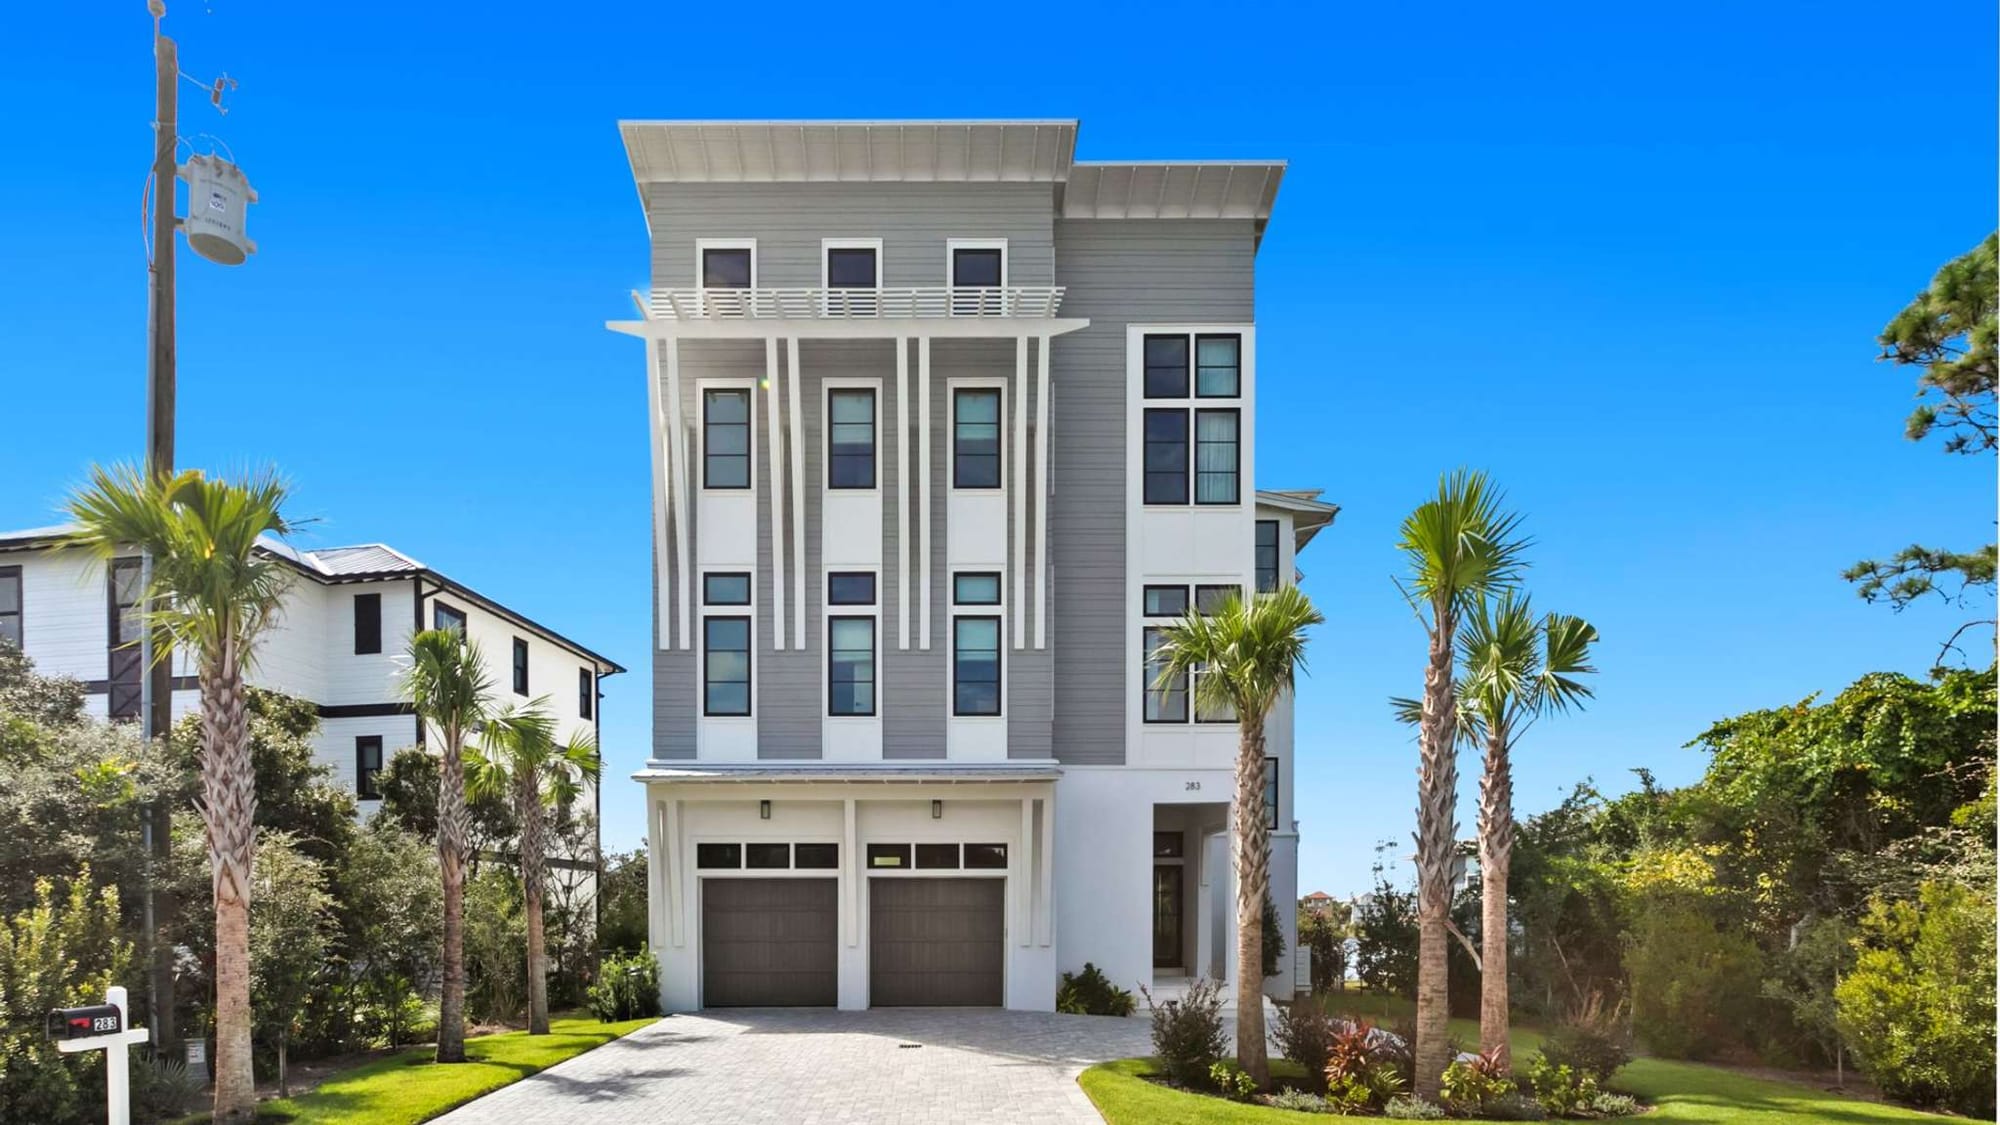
{"x":369,"y":558}
{"x":1310,"y":514}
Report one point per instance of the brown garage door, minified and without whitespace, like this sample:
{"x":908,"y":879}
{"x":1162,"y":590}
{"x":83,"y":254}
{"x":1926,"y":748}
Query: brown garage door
{"x":768,"y":943}
{"x":934,"y":942}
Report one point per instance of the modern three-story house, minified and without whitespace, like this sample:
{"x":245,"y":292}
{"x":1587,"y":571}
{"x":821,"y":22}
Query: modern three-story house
{"x":945,"y":425}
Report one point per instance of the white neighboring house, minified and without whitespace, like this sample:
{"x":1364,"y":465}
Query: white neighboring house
{"x":339,"y":643}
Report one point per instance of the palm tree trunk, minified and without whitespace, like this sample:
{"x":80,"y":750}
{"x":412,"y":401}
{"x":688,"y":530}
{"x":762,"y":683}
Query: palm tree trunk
{"x":454,"y":829}
{"x":1437,"y":830}
{"x":1496,"y":852}
{"x":1253,"y":880}
{"x":229,"y":809}
{"x":532,"y":879}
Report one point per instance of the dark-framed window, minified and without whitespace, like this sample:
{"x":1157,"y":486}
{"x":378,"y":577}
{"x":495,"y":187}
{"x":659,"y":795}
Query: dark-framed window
{"x":975,"y":441}
{"x":1162,"y":703}
{"x":976,"y":588}
{"x":851,"y":267}
{"x":850,"y":459}
{"x":725,"y":665}
{"x":1165,"y":601}
{"x":726,"y":267}
{"x":1271,"y":793}
{"x":986,"y":857}
{"x":975,"y":665}
{"x":367,"y":624}
{"x":1166,"y":455}
{"x":725,"y":438}
{"x":1166,"y":360}
{"x":726,"y":857}
{"x":850,"y":665}
{"x":11,"y":612}
{"x":367,"y":766}
{"x":447,"y":616}
{"x":1217,"y":447}
{"x":888,"y":855}
{"x":1203,"y":712}
{"x":1208,"y":599}
{"x":937,"y":857}
{"x":850,"y":587}
{"x":1218,"y":366}
{"x":816,"y":856}
{"x":125,"y":593}
{"x":1267,"y":556}
{"x":586,"y":693}
{"x":977,"y":266}
{"x":731,"y":588}
{"x":768,"y":857}
{"x":1169,"y":845}
{"x":520,"y":666}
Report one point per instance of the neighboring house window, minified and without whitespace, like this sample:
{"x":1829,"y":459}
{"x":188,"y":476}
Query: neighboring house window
{"x":368,"y":767}
{"x":10,"y":607}
{"x":367,"y":624}
{"x":1218,"y":366}
{"x":520,"y":666}
{"x":1165,"y":601}
{"x":1166,"y":457}
{"x":725,"y":669}
{"x":586,"y":692}
{"x":448,"y":617}
{"x":981,"y":267}
{"x":123,"y":590}
{"x":1267,"y":556}
{"x":975,"y":424}
{"x":1166,"y":366}
{"x":851,"y":267}
{"x":850,"y":669}
{"x":975,"y":666}
{"x":726,"y":267}
{"x":1271,"y":793}
{"x":725,"y":589}
{"x":725,"y":439}
{"x":850,"y":461}
{"x":980,"y":588}
{"x":1163,"y":703}
{"x":1208,"y":599}
{"x":1215,"y":456}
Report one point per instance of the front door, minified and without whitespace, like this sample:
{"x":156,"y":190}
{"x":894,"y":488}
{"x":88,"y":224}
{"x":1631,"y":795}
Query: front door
{"x":1167,"y":916}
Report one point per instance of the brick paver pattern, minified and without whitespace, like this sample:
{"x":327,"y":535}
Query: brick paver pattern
{"x":911,"y":1066}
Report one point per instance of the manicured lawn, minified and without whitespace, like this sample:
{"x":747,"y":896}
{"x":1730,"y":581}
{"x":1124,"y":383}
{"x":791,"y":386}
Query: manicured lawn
{"x":408,"y":1087}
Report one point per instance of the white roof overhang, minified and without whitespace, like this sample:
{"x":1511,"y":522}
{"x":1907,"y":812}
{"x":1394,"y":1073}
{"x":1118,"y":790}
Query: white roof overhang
{"x":789,"y":152}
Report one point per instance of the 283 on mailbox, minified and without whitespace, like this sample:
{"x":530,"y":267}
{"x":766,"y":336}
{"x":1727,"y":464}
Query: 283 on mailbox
{"x":84,"y":1022}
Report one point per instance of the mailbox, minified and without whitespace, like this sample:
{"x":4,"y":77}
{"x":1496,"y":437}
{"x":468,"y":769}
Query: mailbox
{"x":84,"y":1022}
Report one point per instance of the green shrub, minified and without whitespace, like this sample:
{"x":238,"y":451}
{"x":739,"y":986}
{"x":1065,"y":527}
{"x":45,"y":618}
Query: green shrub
{"x":1515,"y":1106}
{"x":1614,"y":1105}
{"x":1299,"y":1101}
{"x":1273,"y":943}
{"x":1304,"y":1034}
{"x":163,"y":1088}
{"x":1918,"y":1006}
{"x":1231,"y":1080}
{"x":1586,"y":1051}
{"x":1187,"y":1033}
{"x":1091,"y":993}
{"x":1470,"y":1085}
{"x":1695,"y":983}
{"x":626,"y":988}
{"x":62,"y":951}
{"x":1559,"y":1088}
{"x":1412,"y":1109}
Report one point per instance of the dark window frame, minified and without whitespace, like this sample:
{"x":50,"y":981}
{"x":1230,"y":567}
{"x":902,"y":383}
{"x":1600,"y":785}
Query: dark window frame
{"x":900,"y":852}
{"x":718,"y":848}
{"x":999,"y":255}
{"x":367,"y":624}
{"x":999,"y":680}
{"x":520,"y":666}
{"x":1162,"y":849}
{"x":586,"y":693}
{"x":749,"y":260}
{"x":440,"y":610}
{"x":1147,"y":366}
{"x":998,"y":456}
{"x":708,"y":598}
{"x":1195,"y":471}
{"x":750,"y":849}
{"x":749,"y":454}
{"x":1277,"y":549}
{"x":1271,"y":793}
{"x":1221,"y":589}
{"x":1186,"y":471}
{"x":999,"y":587}
{"x":365,"y":786}
{"x":1194,"y":362}
{"x":874,"y":662}
{"x":978,"y":857}
{"x":874,"y":254}
{"x":1157,"y":587}
{"x":19,"y":613}
{"x":1147,"y":690}
{"x":749,"y":662}
{"x":800,"y":854}
{"x":936,"y":858}
{"x":835,"y":577}
{"x":122,"y":701}
{"x":874,"y":439}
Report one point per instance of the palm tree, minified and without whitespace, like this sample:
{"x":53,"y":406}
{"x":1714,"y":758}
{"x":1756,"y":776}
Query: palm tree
{"x":1242,"y":657}
{"x":1513,"y":669}
{"x":446,"y":683}
{"x":1461,"y":546}
{"x":213,"y":592}
{"x":518,"y":757}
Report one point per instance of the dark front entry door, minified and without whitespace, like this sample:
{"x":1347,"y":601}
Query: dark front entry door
{"x":768,"y":943}
{"x":1167,"y":916}
{"x":935,"y":942}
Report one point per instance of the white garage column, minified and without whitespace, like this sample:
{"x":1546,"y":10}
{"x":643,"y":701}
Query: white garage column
{"x":853,"y":960}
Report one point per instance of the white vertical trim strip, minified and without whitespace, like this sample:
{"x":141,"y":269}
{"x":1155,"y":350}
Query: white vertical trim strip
{"x":903,"y":471}
{"x":656,"y":875}
{"x":673,"y":863}
{"x":1018,"y":609}
{"x":678,"y":448}
{"x":1044,"y":492}
{"x":850,"y":877}
{"x":1023,"y":867}
{"x":661,"y":508}
{"x":798,"y":497}
{"x":1045,"y":924}
{"x":924,"y":475}
{"x":774,"y":446}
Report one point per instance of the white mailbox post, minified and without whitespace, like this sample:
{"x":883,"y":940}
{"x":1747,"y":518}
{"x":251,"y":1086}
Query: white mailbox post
{"x":116,"y":1046}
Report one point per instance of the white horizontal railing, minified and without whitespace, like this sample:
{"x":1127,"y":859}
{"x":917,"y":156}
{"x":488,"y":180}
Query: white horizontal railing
{"x":917,"y":302}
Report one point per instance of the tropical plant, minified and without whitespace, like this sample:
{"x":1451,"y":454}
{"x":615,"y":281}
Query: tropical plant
{"x":446,"y":683}
{"x":626,"y":988}
{"x":214,"y":590}
{"x":1470,"y":1085}
{"x":1562,"y":1090}
{"x":1187,"y":1032}
{"x":1461,"y":546}
{"x":1091,"y":993}
{"x":519,"y":755}
{"x":1231,"y":1080}
{"x":1242,"y":657}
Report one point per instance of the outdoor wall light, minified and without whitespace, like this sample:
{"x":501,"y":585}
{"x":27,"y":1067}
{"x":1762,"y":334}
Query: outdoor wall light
{"x":763,"y":810}
{"x":937,"y":810}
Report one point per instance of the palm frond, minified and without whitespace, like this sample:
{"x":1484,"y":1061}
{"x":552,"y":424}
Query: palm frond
{"x":444,"y":679}
{"x":1241,"y":655}
{"x":1462,"y":544}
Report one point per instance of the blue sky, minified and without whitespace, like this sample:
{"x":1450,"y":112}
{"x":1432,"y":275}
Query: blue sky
{"x":1630,"y":260}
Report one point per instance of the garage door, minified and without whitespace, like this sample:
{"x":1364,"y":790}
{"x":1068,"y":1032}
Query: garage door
{"x":935,"y":942}
{"x":768,"y":943}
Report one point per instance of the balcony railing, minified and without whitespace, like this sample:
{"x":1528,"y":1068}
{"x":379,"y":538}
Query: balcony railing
{"x":914,"y":302}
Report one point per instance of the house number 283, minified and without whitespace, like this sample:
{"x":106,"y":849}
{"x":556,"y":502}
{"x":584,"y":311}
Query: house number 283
{"x":1193,"y":786}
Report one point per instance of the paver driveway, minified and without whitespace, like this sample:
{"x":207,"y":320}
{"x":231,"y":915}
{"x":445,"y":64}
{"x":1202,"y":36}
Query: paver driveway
{"x":911,"y":1066}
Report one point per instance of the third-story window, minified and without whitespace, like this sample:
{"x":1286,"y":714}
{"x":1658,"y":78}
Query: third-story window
{"x":975,"y":425}
{"x":725,"y":439}
{"x":1165,"y":702}
{"x":725,"y":268}
{"x":1267,"y":556}
{"x":1166,"y":366}
{"x":976,"y":588}
{"x":725,"y":669}
{"x":1208,"y":599}
{"x":725,"y":588}
{"x":976,"y":266}
{"x":1165,"y":601}
{"x":586,"y":693}
{"x":1215,"y":456}
{"x":1166,"y":456}
{"x":850,"y":665}
{"x":450,"y":617}
{"x":850,"y":461}
{"x":10,"y":606}
{"x":367,"y":624}
{"x":975,"y":666}
{"x":520,"y":666}
{"x":1218,"y":366}
{"x":850,"y":268}
{"x":126,"y":670}
{"x":856,"y":587}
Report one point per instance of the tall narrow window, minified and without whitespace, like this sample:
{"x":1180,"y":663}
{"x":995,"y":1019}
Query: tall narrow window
{"x":1164,"y":702}
{"x":725,"y":665}
{"x":1166,"y":456}
{"x":850,"y":461}
{"x":367,"y":624}
{"x":725,"y":439}
{"x":725,"y":267}
{"x":126,"y":671}
{"x":368,"y":767}
{"x":975,"y":424}
{"x":1267,"y":556}
{"x":10,"y":607}
{"x":1166,"y":366}
{"x":850,"y":669}
{"x":1218,"y":366}
{"x":1215,"y":456}
{"x":520,"y":666}
{"x":446,"y":616}
{"x":1208,"y":712}
{"x":1271,"y":793}
{"x":975,"y":666}
{"x":586,"y":693}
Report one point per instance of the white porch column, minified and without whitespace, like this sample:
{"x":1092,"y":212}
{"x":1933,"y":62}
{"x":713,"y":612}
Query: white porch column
{"x":671,"y":860}
{"x":798,"y":499}
{"x":656,"y":874}
{"x":903,"y":472}
{"x":1045,"y":923}
{"x":774,"y":447}
{"x":661,"y":511}
{"x":1044,"y":491}
{"x":852,"y":872}
{"x":1021,"y":871}
{"x":924,"y":475}
{"x":1019,"y":605}
{"x":678,"y":448}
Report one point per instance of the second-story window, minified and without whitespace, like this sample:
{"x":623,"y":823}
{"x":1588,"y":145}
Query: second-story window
{"x":975,"y":441}
{"x":850,"y":643}
{"x":367,"y":624}
{"x":126,"y":670}
{"x":725,"y":438}
{"x":1267,"y":556}
{"x":975,"y":666}
{"x":10,"y":607}
{"x":368,"y":767}
{"x":850,"y":461}
{"x":1164,"y":701}
{"x":586,"y":693}
{"x":1166,"y":456}
{"x":520,"y":666}
{"x":725,"y":667}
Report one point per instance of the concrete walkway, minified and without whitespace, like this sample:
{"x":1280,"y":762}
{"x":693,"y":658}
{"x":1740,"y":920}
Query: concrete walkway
{"x":910,"y":1066}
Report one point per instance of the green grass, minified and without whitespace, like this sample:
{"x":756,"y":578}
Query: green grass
{"x":407,"y":1087}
